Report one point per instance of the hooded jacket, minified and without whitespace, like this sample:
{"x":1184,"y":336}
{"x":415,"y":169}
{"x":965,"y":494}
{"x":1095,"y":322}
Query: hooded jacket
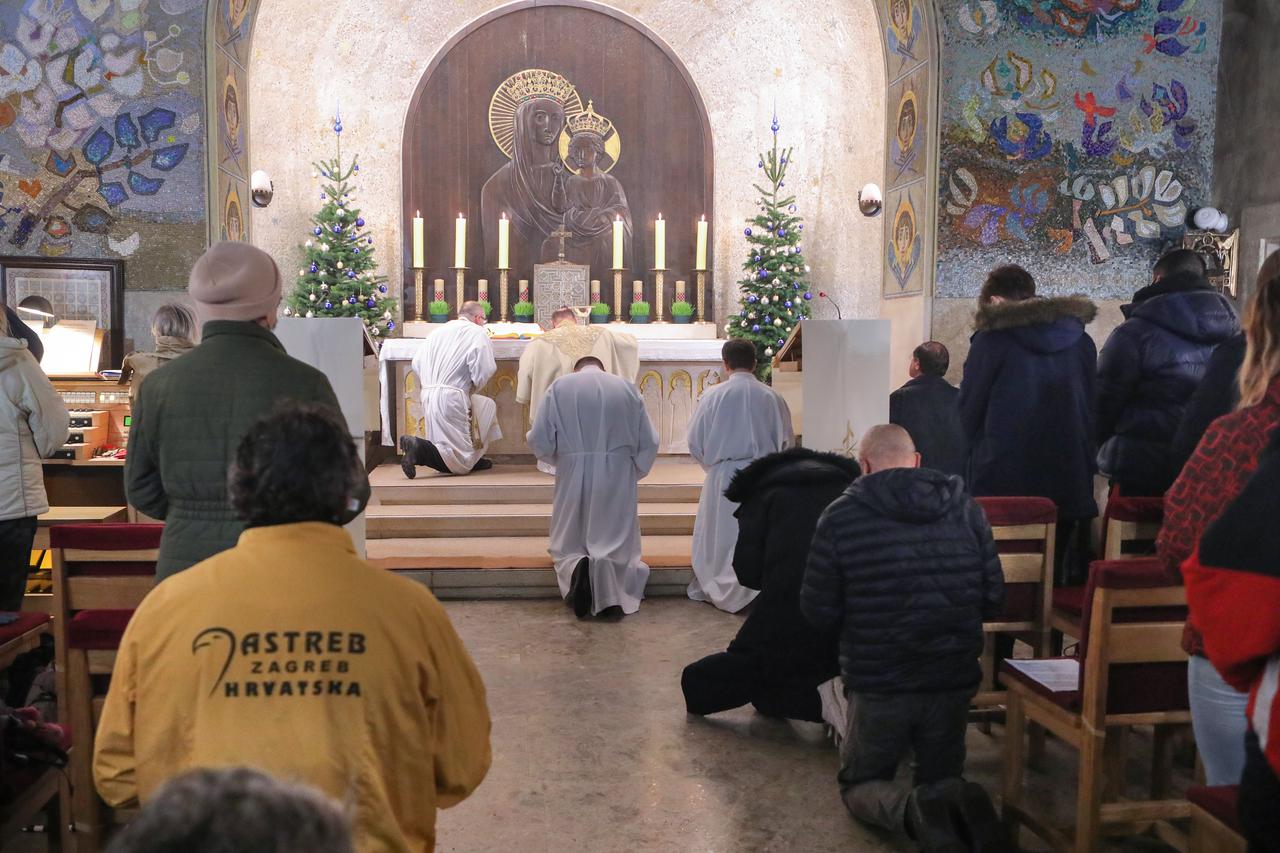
{"x":926,"y":408}
{"x":1147,"y":372}
{"x":1027,"y":403}
{"x":903,"y":565}
{"x":138,"y":365}
{"x":33,"y":424}
{"x":780,"y":497}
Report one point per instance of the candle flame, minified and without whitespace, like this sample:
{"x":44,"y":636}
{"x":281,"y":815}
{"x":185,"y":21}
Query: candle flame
{"x":659,"y":215}
{"x":504,"y":214}
{"x":704,"y":218}
{"x":417,"y":214}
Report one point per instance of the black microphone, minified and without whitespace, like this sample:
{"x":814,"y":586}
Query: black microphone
{"x":823,"y":295}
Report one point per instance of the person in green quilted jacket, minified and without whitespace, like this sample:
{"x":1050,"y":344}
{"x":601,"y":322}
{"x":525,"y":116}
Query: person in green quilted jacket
{"x":192,"y":413}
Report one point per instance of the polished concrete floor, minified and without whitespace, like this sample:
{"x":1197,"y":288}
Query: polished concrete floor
{"x":593,"y":750}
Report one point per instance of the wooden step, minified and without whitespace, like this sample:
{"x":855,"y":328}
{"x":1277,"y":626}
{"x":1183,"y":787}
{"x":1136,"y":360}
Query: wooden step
{"x":669,"y":482}
{"x":506,"y":553}
{"x":488,"y":520}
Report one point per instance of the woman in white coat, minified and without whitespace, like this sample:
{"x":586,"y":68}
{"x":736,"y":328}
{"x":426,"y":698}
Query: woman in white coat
{"x":33,"y":424}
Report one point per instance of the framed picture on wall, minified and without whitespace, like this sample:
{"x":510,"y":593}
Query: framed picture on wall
{"x":84,"y":295}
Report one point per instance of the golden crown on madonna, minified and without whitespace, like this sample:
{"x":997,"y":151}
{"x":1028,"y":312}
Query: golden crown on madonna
{"x":539,"y":83}
{"x":589,"y":121}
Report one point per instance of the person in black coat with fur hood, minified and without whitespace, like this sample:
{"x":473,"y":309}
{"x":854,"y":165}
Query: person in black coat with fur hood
{"x":777,"y":660}
{"x":1027,"y":404}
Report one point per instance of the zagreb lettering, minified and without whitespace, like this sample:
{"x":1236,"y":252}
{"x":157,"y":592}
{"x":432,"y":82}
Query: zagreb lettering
{"x":266,"y":664}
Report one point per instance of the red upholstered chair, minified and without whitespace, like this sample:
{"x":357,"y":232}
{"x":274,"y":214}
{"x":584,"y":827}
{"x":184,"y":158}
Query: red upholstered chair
{"x":36,"y":790}
{"x":1130,"y":526}
{"x":101,"y":572}
{"x":1024,"y":530}
{"x":1215,"y":824}
{"x":1131,"y":671}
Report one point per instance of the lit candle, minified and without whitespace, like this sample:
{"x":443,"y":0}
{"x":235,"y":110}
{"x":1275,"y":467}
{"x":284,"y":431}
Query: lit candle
{"x":617,"y":243}
{"x":417,"y":240}
{"x":660,"y":244}
{"x":482,"y":290}
{"x":460,"y":242}
{"x":504,"y":243}
{"x":700,"y":257}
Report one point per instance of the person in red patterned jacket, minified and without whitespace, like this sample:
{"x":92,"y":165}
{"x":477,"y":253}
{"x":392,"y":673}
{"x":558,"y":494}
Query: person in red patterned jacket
{"x":1215,"y":475}
{"x":1233,"y":588}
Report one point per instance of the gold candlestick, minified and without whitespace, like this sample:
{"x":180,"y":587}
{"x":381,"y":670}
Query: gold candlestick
{"x":658,"y":283}
{"x":617,"y":295}
{"x":460,"y":284}
{"x":417,"y":293}
{"x":502,"y":294}
{"x":702,"y":296}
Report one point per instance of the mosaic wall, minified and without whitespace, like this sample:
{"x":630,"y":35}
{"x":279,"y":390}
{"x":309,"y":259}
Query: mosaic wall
{"x":909,"y":135}
{"x":1076,"y":137}
{"x":101,"y":133}
{"x":229,"y":95}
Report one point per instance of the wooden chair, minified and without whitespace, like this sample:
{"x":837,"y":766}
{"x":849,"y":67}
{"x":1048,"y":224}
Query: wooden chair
{"x":1129,"y":532}
{"x":1215,"y":826}
{"x":38,"y":791}
{"x":1131,"y":671}
{"x":1024,"y":530}
{"x":101,"y":572}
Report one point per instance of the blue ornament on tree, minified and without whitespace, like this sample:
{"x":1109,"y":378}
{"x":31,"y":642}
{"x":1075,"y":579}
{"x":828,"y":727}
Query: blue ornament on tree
{"x":746,"y":231}
{"x":763,"y":274}
{"x":781,"y":342}
{"x":760,"y":165}
{"x":800,"y":227}
{"x":359,"y":221}
{"x":351,"y":273}
{"x":755,"y":328}
{"x":756,"y":259}
{"x":370,"y":241}
{"x":787,"y":304}
{"x":391,"y":324}
{"x":315,"y":268}
{"x":356,"y":250}
{"x":775,"y":127}
{"x":370,"y":303}
{"x":382,"y":288}
{"x":807,"y":296}
{"x":753,"y":299}
{"x":351,"y":300}
{"x":318,"y":231}
{"x":328,"y":306}
{"x":337,"y":229}
{"x":782,"y":232}
{"x":791,"y":209}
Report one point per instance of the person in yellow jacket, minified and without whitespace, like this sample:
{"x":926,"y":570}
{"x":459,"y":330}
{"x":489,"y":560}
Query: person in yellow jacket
{"x":291,"y":655}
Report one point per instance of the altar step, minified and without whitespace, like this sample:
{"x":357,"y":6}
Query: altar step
{"x":506,"y":520}
{"x":670,"y":481}
{"x":514,"y":566}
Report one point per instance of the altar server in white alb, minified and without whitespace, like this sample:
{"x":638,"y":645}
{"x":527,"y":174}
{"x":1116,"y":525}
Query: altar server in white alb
{"x":453,"y":363}
{"x":736,"y":421}
{"x":593,"y":428}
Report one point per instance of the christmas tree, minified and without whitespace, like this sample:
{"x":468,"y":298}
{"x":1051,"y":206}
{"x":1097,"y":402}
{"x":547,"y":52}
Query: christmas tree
{"x":775,"y":291}
{"x":339,"y":274}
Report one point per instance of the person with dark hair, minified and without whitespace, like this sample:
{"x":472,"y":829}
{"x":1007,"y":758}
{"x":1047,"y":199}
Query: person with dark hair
{"x":1150,"y":367}
{"x":736,"y":421}
{"x":1233,"y":590}
{"x":903,"y":567}
{"x":1217,"y":394}
{"x":33,"y":424}
{"x":236,"y":810}
{"x":192,"y":412}
{"x":23,"y":332}
{"x":926,"y":408}
{"x":592,"y":427}
{"x":778,"y":660}
{"x":1027,"y":406}
{"x":174,"y":330}
{"x":290,"y":653}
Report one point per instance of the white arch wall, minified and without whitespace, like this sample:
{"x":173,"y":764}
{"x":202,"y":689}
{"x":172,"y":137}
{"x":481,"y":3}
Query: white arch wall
{"x":821,"y":63}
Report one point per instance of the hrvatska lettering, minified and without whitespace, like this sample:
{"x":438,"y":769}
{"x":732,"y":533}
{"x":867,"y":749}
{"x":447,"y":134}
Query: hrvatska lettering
{"x":282,"y":664}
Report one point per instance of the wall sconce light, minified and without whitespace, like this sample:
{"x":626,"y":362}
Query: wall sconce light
{"x":261,"y":188}
{"x":39,"y":308}
{"x":870,"y":201}
{"x":1211,"y":219}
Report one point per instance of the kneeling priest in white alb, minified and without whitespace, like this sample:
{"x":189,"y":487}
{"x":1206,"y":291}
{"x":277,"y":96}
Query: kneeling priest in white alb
{"x":593,"y":428}
{"x":453,"y":363}
{"x":737,"y":421}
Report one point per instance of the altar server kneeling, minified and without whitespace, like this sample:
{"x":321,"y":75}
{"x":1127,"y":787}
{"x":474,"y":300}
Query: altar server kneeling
{"x":452,"y":364}
{"x":593,"y":428}
{"x":736,"y":422}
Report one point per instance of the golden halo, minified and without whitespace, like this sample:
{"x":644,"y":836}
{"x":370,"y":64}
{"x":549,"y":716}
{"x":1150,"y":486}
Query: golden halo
{"x":231,"y":205}
{"x":908,"y":97}
{"x":598,"y":124}
{"x":523,"y":86}
{"x":906,"y":210}
{"x":232,"y":86}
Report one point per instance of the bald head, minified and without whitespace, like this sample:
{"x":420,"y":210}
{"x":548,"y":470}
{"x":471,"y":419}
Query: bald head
{"x":561,"y":315}
{"x":472,"y":311}
{"x":887,"y":446}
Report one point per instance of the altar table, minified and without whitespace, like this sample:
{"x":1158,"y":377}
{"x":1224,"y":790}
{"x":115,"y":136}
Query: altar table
{"x":673,"y":376}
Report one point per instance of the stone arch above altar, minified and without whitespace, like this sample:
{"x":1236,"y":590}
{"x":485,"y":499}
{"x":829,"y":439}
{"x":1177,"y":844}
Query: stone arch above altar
{"x":564,"y":118}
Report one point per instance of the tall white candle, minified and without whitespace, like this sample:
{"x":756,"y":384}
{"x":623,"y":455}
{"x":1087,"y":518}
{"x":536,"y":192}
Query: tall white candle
{"x":460,"y":242}
{"x":660,"y":243}
{"x":417,"y":240}
{"x":700,"y":257}
{"x":617,"y":243}
{"x":504,"y":243}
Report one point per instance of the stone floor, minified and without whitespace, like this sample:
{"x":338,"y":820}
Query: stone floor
{"x":593,"y":750}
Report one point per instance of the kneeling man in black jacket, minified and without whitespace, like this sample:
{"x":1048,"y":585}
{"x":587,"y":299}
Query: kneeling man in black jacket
{"x":904,"y":566}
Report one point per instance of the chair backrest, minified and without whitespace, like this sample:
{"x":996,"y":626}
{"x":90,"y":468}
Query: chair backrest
{"x":1131,"y":526}
{"x":1131,"y":648}
{"x":1024,"y":530}
{"x":102,"y":567}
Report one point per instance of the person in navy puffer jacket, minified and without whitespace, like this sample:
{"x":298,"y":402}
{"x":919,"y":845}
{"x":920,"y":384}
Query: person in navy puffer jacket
{"x":1150,"y":367}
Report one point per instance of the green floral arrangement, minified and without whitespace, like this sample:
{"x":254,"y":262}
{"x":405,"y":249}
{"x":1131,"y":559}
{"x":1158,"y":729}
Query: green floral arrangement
{"x":600,"y":309}
{"x":438,"y":307}
{"x":522,"y":309}
{"x":488,"y":309}
{"x":640,"y":309}
{"x":681,"y":309}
